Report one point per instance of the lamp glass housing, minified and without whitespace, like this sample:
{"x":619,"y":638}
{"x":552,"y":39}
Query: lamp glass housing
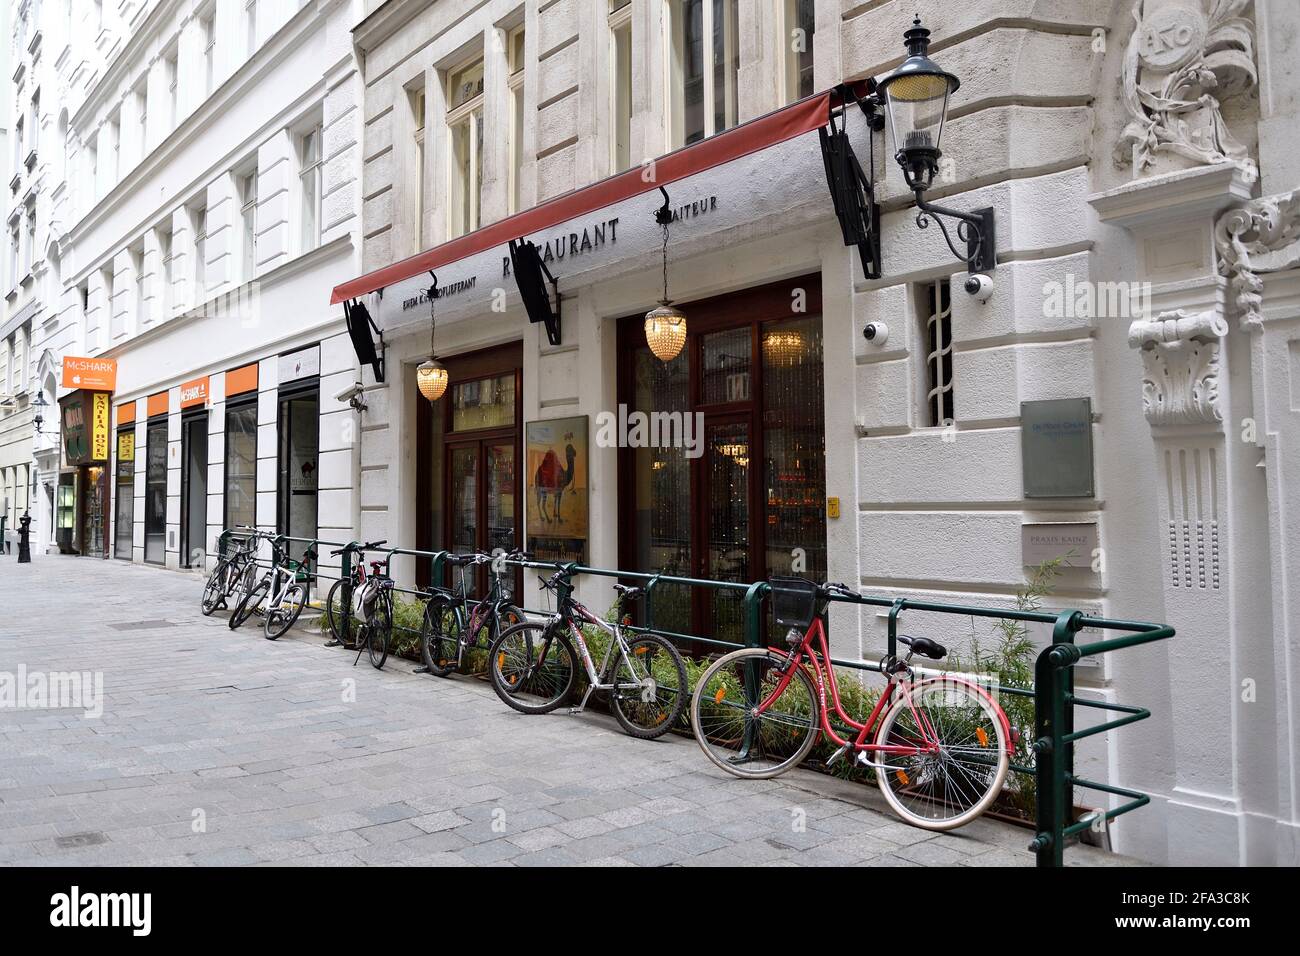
{"x":431,"y":377}
{"x":665,"y":331}
{"x":916,"y":103}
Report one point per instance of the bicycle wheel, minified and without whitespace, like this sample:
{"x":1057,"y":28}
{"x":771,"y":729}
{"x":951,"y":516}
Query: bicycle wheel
{"x":251,"y":600}
{"x":650,"y":687}
{"x":440,"y":637}
{"x":280,"y":619}
{"x":336,"y":613}
{"x":532,"y":667}
{"x":748,"y":744}
{"x":214,"y":592}
{"x":952,"y":785}
{"x":378,"y":631}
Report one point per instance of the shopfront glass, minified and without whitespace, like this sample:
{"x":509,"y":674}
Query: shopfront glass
{"x":124,"y":494}
{"x":194,"y":488}
{"x":155,"y":492}
{"x":95,"y":511}
{"x":241,"y":464}
{"x":752,"y":503}
{"x":299,"y":426}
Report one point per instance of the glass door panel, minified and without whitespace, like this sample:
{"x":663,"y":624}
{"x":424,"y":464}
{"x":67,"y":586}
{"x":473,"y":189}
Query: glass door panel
{"x":794,"y":448}
{"x":727,"y":465}
{"x":662,"y":512}
{"x":499,"y":497}
{"x":96,"y":485}
{"x":462,"y":509}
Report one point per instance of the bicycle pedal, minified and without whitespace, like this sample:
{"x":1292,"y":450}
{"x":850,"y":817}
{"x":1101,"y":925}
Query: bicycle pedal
{"x":334,"y":643}
{"x":422,"y":669}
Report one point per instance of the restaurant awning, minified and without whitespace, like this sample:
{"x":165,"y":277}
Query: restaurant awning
{"x":781,"y":125}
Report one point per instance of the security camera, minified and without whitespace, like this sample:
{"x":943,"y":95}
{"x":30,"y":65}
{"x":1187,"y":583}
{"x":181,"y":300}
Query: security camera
{"x":352,"y":395}
{"x":979,"y":286}
{"x":876,"y":333}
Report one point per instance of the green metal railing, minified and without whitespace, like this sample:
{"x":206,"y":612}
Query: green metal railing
{"x":1053,"y":690}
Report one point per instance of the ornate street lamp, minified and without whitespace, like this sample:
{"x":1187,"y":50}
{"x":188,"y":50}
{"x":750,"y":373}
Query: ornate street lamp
{"x":665,"y":325}
{"x":915,"y":97}
{"x":431,"y":376}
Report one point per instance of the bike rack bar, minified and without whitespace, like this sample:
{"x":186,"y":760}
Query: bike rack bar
{"x":1053,"y":689}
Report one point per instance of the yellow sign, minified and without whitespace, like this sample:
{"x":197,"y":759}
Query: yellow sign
{"x":832,"y":507}
{"x":99,"y":427}
{"x":126,"y":446}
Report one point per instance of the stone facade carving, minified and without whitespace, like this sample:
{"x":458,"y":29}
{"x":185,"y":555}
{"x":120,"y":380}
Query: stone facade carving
{"x":1180,"y":356}
{"x":1261,"y":236}
{"x":1180,"y":64}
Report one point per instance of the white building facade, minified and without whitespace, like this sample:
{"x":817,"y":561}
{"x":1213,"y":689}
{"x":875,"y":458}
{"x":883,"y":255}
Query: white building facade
{"x":228,"y":164}
{"x":1140,"y":160}
{"x":208,"y":196}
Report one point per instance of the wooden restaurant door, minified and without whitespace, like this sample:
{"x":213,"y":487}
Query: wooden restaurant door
{"x":745,"y":497}
{"x":469,"y":475}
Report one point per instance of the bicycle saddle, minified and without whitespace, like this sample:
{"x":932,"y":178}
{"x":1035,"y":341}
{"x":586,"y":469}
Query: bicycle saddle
{"x":629,"y":593}
{"x":925,"y":647}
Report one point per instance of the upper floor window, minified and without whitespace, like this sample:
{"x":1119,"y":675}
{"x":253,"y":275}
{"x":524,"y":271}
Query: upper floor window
{"x":142,"y":116}
{"x":465,"y":126}
{"x":620,"y":66}
{"x":419,"y":111}
{"x":515,"y":83}
{"x":164,"y":293}
{"x":248,"y":214}
{"x":199,"y":220}
{"x":36,"y":121}
{"x":115,"y":144}
{"x":309,"y":178}
{"x":169,"y":78}
{"x":704,"y":69}
{"x":800,"y":25}
{"x":208,"y":37}
{"x":250,"y":24}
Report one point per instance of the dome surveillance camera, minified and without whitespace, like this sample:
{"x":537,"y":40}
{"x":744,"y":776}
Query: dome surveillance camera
{"x":876,"y":333}
{"x":979,"y":286}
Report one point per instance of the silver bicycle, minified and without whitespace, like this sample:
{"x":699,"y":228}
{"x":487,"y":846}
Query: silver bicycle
{"x":533,"y":665}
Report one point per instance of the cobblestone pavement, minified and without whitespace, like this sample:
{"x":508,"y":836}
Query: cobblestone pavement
{"x":218,"y":747}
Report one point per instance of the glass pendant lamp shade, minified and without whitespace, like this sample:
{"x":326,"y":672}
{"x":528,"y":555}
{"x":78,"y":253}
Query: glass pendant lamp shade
{"x":431,"y":377}
{"x":916,"y":100}
{"x":665,"y":331}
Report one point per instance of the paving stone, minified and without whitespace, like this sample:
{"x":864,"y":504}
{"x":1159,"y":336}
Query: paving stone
{"x":410,"y":771}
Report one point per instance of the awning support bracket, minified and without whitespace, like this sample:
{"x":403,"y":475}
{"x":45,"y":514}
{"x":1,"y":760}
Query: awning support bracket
{"x":852,"y":190}
{"x":531,"y":275}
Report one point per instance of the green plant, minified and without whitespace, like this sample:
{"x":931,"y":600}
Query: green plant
{"x":1010,"y":661}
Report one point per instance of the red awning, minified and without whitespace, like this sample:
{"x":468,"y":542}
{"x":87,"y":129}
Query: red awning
{"x":786,"y":123}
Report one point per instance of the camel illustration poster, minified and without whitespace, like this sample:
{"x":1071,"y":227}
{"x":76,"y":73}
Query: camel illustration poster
{"x":557,"y":488}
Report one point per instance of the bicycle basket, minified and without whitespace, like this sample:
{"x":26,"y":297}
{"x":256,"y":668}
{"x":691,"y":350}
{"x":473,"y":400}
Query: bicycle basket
{"x":794,"y":602}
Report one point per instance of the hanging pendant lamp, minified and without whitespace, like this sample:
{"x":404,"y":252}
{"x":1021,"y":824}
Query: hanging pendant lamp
{"x":431,"y":376}
{"x":665,"y":325}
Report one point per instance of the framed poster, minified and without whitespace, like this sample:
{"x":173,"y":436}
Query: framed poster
{"x":556,"y":464}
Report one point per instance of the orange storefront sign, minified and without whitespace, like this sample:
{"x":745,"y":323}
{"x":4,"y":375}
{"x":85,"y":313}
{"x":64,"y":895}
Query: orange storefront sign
{"x":94,"y":374}
{"x":157,"y":404}
{"x":194,"y":392}
{"x":240,"y":380}
{"x":126,"y":413}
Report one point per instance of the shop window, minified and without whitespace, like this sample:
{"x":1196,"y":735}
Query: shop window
{"x":801,"y":24}
{"x":155,"y":491}
{"x":465,"y":129}
{"x":704,"y":68}
{"x":124,"y":513}
{"x":515,"y":85}
{"x":751,"y":502}
{"x":935,"y":306}
{"x":241,"y":463}
{"x":620,"y":64}
{"x":483,"y":403}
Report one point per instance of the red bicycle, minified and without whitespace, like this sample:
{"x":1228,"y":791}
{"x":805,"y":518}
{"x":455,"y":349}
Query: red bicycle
{"x":940,"y":746}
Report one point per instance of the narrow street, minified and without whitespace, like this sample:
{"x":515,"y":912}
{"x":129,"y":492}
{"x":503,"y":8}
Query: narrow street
{"x":221,"y":748}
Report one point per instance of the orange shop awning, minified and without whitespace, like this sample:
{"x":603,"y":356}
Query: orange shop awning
{"x":783,"y":124}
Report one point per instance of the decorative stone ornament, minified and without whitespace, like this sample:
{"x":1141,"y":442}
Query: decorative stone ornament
{"x":1260,"y":237}
{"x":1180,"y":356}
{"x":1181,"y":63}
